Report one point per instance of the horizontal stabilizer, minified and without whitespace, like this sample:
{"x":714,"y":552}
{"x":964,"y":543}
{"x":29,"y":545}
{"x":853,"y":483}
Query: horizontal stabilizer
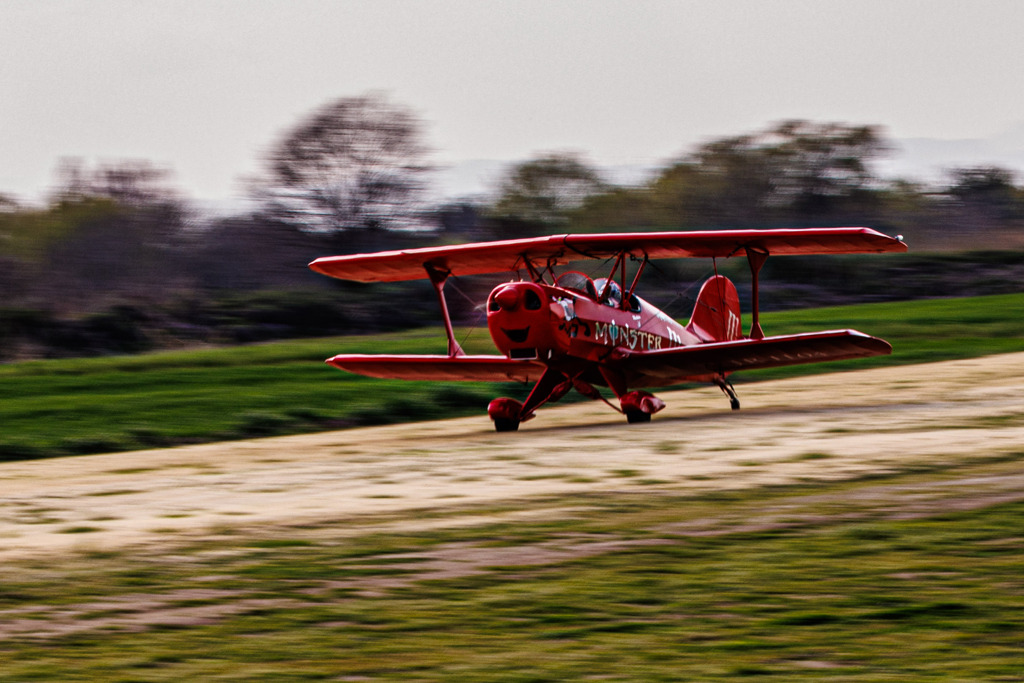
{"x":554,"y":250}
{"x":666,"y":366}
{"x":439,"y":368}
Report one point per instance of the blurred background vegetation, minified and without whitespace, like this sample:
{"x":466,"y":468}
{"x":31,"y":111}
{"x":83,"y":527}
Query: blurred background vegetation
{"x":118,"y":261}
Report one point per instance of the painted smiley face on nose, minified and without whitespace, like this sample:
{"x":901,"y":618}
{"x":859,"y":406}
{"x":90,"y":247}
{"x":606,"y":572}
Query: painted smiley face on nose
{"x":513,"y":298}
{"x":519,"y":336}
{"x":517,"y":316}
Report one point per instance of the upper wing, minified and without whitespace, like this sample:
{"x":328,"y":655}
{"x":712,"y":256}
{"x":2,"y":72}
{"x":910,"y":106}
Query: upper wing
{"x":440,"y":368}
{"x":668,"y":366}
{"x":491,"y":257}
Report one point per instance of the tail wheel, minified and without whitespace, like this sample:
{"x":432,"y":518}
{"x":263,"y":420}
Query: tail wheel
{"x":729,"y":391}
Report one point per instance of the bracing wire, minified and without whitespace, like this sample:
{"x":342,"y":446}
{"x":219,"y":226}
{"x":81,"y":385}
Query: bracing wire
{"x":684,"y":295}
{"x":481,"y":310}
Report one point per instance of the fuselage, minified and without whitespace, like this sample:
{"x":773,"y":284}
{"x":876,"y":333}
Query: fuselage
{"x":572,"y":320}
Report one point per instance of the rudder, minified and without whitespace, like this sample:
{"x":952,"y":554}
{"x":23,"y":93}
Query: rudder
{"x":716,"y":315}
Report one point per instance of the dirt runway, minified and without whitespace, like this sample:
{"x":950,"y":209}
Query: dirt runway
{"x":461,"y":472}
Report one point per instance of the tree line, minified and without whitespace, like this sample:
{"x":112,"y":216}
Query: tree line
{"x":118,"y":261}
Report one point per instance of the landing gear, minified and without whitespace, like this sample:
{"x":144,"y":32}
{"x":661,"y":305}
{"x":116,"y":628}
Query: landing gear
{"x":504,"y":424}
{"x":727,"y":388}
{"x":637,"y":417}
{"x":638,"y":406}
{"x":507,"y":413}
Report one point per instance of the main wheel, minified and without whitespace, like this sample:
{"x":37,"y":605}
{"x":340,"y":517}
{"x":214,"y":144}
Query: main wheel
{"x":504,"y":424}
{"x":637,"y":417}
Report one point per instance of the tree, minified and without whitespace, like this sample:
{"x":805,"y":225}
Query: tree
{"x":128,"y":183}
{"x":724,"y":183}
{"x":986,"y":188}
{"x":818,"y":166}
{"x":794,"y":169}
{"x":110,"y":233}
{"x":545,"y":189}
{"x":355,"y":164}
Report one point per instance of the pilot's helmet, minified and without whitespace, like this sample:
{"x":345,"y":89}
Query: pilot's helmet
{"x":613,"y":295}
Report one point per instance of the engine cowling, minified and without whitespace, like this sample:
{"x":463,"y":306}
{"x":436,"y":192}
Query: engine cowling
{"x":519,"y":319}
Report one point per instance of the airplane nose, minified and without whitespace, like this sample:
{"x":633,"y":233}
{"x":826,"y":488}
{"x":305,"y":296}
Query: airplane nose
{"x":507,"y":298}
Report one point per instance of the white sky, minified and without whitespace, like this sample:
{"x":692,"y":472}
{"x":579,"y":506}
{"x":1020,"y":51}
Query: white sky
{"x":204,"y":86}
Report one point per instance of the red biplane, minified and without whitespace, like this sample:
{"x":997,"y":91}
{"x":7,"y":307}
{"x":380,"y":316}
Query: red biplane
{"x":566,"y":331}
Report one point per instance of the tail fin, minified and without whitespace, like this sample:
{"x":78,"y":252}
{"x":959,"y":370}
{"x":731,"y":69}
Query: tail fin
{"x":716,"y":315}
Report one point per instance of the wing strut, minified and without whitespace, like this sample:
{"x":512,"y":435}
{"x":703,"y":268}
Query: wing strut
{"x":619,"y":260}
{"x":636,"y":278}
{"x":756,"y":259}
{"x":438,"y":278}
{"x":627,"y":292}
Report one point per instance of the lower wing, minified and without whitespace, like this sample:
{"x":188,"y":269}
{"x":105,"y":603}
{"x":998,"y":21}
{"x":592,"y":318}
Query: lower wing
{"x":439,"y":368}
{"x":650,"y":368}
{"x":667,"y":366}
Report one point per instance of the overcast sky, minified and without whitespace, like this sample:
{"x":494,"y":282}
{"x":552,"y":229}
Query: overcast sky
{"x":205,"y":86}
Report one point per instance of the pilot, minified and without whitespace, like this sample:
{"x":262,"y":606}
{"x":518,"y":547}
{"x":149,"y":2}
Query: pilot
{"x":612,"y":293}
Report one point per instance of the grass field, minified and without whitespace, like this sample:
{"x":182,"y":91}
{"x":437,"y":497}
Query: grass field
{"x":816,"y":582}
{"x":898,"y":561}
{"x":78,"y":406}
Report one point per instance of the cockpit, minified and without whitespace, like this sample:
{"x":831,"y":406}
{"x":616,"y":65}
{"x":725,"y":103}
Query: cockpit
{"x":609,"y":291}
{"x":611,"y":295}
{"x":602,"y":290}
{"x":576,"y":281}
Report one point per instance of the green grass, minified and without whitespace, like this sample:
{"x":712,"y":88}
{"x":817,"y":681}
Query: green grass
{"x":920,"y":331}
{"x":850,"y":593}
{"x":90,"y":405}
{"x":76,"y":406}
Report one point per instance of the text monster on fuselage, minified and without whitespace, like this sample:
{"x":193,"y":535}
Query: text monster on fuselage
{"x":614,"y":334}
